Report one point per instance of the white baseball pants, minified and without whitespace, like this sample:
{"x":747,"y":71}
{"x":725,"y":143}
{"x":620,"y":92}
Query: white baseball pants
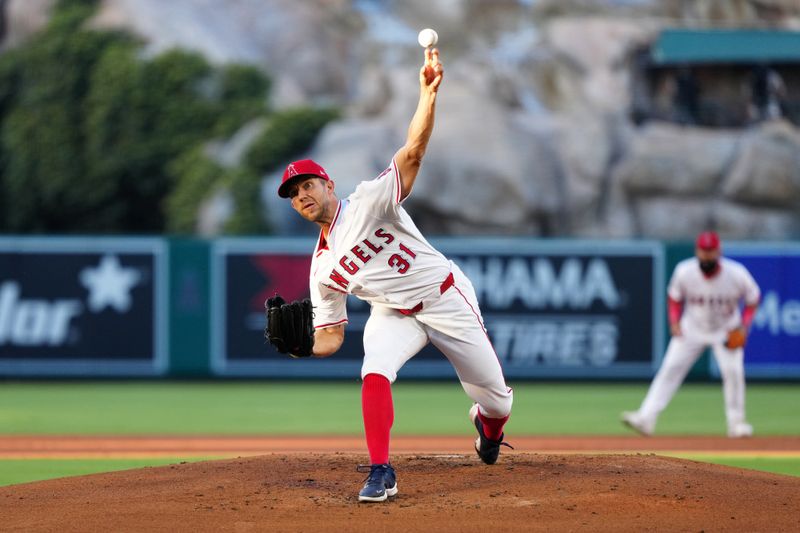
{"x":453,"y":323}
{"x":681,"y":355}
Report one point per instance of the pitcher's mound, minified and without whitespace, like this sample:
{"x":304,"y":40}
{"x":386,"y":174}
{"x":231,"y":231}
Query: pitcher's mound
{"x":318,"y":492}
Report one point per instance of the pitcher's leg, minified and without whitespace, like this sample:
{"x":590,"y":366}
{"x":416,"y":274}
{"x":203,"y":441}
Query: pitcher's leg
{"x":455,"y":326}
{"x":482,"y":379}
{"x":377,"y":409}
{"x":493,"y":398}
{"x":390,"y":339}
{"x":481,"y":376}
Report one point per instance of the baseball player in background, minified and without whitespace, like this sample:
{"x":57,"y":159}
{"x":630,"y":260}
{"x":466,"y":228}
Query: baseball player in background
{"x":704,"y":297}
{"x":369,"y":247}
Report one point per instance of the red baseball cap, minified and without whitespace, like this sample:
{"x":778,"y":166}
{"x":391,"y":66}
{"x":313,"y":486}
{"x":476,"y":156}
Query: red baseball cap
{"x":304,"y":168}
{"x":708,"y":240}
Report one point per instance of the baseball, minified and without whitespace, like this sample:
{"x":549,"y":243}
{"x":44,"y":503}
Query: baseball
{"x":427,"y":37}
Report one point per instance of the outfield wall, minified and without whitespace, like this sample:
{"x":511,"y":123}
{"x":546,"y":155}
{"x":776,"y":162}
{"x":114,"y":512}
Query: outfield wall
{"x":555,"y":309}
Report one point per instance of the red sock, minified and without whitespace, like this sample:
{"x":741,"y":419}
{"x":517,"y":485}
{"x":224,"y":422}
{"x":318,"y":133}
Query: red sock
{"x":492,"y":427}
{"x":378,"y":411}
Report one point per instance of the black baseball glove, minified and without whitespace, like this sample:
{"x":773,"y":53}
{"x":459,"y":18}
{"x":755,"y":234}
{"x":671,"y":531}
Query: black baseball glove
{"x":290,"y":327}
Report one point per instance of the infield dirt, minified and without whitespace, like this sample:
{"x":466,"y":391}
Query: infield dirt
{"x":313,"y":491}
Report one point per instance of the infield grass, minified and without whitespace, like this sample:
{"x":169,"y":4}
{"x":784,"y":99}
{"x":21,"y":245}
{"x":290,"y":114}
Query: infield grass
{"x":777,"y":465}
{"x":13,"y":471}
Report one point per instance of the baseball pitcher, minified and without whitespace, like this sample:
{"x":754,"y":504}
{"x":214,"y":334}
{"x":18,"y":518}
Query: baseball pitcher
{"x":369,"y":247}
{"x":704,"y":296}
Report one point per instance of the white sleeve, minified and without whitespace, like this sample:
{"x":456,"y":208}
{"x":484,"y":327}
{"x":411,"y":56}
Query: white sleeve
{"x":675,"y":288}
{"x":330,"y":306}
{"x":751,"y":292}
{"x":381,"y":196}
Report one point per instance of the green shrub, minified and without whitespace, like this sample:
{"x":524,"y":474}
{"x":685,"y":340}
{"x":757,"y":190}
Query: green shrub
{"x":196,"y":177}
{"x":288,"y":134}
{"x":94,"y":138}
{"x":242,"y":93}
{"x":248,"y":217}
{"x":43,"y":167}
{"x":141,"y":116}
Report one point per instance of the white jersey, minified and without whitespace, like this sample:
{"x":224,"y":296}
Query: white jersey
{"x":711,"y":305}
{"x":374,"y":252}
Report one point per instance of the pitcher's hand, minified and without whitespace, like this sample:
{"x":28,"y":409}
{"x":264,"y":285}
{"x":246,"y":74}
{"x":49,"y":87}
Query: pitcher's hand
{"x":431,"y":73}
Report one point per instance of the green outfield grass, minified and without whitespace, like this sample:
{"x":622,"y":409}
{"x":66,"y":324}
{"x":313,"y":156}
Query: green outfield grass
{"x":264,"y":408}
{"x":333,"y":408}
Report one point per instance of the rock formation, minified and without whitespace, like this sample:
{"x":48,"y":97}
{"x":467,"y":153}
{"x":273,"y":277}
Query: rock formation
{"x":533,"y":134}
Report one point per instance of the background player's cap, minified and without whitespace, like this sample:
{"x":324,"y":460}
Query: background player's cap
{"x":302,"y":168}
{"x":708,"y":240}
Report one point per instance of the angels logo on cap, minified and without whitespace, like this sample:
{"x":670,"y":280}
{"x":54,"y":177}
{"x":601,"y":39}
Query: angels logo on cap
{"x":708,"y":240}
{"x":304,"y":168}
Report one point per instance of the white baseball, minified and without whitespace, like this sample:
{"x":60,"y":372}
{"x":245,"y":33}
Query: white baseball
{"x":427,"y":37}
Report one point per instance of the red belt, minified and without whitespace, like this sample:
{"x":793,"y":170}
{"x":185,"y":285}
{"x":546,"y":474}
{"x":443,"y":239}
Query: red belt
{"x":446,"y":284}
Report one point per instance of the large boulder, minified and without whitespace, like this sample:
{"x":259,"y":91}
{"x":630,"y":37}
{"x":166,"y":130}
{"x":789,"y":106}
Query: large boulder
{"x":735,"y":12}
{"x":24,"y":18}
{"x":681,"y":218}
{"x":741,"y":222}
{"x":597,"y":205}
{"x":308,"y":42}
{"x":485,"y":171}
{"x":585,"y":144}
{"x":672,"y":217}
{"x":767,"y":169}
{"x":667,"y":158}
{"x":354,"y":150}
{"x":587,"y":71}
{"x":560,"y":8}
{"x":613,"y":219}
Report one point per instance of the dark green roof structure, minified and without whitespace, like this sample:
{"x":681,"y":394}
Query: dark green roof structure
{"x":685,"y":46}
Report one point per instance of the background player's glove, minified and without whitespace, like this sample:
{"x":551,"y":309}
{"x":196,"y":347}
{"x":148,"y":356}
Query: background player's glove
{"x":290,"y":327}
{"x":736,"y":338}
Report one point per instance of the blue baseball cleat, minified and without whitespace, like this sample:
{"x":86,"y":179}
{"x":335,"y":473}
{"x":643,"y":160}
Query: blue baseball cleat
{"x":380,"y":484}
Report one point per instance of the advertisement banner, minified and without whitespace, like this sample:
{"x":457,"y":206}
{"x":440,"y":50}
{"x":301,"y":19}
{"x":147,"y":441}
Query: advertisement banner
{"x":569,"y":309}
{"x":773,"y":348}
{"x":75,"y":307}
{"x":552,"y":308}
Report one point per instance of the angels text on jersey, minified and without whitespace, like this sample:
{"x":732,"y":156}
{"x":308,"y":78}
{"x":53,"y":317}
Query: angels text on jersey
{"x":363,"y":253}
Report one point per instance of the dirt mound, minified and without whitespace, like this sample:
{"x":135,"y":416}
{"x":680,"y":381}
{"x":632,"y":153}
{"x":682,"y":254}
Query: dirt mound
{"x":317,"y":492}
